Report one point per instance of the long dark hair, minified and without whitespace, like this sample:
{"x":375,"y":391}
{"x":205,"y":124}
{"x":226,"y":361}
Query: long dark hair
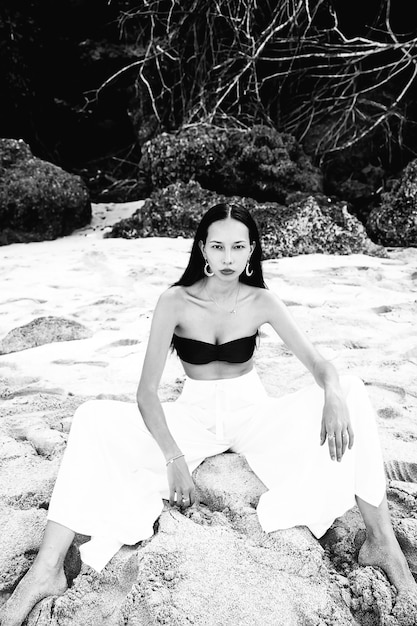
{"x":195,"y":268}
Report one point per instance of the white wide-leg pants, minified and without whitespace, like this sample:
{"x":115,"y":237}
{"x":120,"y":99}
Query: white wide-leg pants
{"x":113,"y":476}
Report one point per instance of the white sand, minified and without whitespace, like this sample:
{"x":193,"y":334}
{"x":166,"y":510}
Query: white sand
{"x":360,"y":312}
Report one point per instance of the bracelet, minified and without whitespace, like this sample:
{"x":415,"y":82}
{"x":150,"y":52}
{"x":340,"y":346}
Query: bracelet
{"x":174,"y":458}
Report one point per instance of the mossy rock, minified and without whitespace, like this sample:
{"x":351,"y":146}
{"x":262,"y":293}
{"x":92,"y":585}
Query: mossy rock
{"x":394,"y":223}
{"x":259,"y":162}
{"x":38,"y":200}
{"x":310,"y":224}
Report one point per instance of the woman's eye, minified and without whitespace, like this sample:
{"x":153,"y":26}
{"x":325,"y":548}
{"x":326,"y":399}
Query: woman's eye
{"x":217,"y":246}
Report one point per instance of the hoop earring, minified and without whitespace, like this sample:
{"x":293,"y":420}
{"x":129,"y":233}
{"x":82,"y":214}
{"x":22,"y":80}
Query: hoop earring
{"x":207,"y":270}
{"x":248,"y":271}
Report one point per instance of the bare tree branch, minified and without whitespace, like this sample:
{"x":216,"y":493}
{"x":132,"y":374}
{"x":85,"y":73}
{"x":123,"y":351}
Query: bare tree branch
{"x":244,"y":60}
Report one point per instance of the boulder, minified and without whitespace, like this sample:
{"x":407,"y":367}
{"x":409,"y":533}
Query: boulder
{"x":212,"y":555}
{"x":27,"y":480}
{"x":38,"y":200}
{"x":310,"y":224}
{"x":258,"y":162}
{"x":20,"y":538}
{"x":40,"y":331}
{"x":13,"y":153}
{"x":394,"y":223}
{"x":174,"y":211}
{"x":226,"y":481}
{"x":35,"y":430}
{"x":313,"y":225}
{"x":191,"y":567}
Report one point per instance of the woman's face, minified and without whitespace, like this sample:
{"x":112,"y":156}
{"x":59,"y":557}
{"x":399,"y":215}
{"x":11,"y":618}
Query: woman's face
{"x":227,"y":248}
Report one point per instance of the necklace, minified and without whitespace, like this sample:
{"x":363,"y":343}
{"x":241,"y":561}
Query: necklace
{"x":233,"y":311}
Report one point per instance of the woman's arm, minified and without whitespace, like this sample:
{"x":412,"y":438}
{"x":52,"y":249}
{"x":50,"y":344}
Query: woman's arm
{"x":295,"y":339}
{"x":163,"y":324}
{"x":335,"y":424}
{"x":164,"y":321}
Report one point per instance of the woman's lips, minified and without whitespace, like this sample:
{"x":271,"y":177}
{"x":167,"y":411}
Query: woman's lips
{"x":227,"y":272}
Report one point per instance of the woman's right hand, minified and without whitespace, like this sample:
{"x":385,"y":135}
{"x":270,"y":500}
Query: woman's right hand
{"x":181,"y":484}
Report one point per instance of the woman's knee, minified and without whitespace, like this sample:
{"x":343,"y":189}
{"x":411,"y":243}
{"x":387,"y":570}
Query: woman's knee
{"x":359,"y":404}
{"x":88,"y":416}
{"x":352,"y":383}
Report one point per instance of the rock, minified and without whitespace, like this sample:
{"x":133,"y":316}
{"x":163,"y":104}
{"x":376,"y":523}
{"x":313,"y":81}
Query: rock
{"x":394,"y":223}
{"x":174,"y":211}
{"x":93,"y":599}
{"x":309,"y":224}
{"x":351,"y":174}
{"x":312,"y":225}
{"x":13,"y":152}
{"x":372,"y":595}
{"x":38,"y":200}
{"x":226,"y":480}
{"x":20,"y":537}
{"x":27,"y":482}
{"x":343,"y":540}
{"x":258,"y":162}
{"x":10,"y":448}
{"x":405,"y":610}
{"x":36,"y":431}
{"x":406,"y":532}
{"x":215,"y":566}
{"x":43,"y":330}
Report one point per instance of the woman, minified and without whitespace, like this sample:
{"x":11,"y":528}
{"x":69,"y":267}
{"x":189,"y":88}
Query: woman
{"x":211,"y":316}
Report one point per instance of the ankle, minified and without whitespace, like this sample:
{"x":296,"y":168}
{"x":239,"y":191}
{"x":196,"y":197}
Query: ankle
{"x":49,"y":560}
{"x":380,"y":535}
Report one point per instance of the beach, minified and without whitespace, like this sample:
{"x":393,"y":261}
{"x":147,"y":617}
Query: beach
{"x":359,"y":311}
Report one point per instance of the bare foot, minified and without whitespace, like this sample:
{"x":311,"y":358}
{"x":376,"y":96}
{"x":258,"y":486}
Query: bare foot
{"x":387,"y":554}
{"x":38,"y":583}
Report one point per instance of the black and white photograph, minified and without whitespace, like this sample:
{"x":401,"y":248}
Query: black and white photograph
{"x":208,"y":313}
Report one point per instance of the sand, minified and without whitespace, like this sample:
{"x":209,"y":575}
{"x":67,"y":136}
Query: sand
{"x":359,"y":311}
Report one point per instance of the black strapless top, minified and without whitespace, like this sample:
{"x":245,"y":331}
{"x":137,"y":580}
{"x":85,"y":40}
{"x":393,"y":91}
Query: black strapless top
{"x":200,"y":352}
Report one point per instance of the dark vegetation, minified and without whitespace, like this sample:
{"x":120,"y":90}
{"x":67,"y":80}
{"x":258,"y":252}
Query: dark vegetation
{"x":307,"y":224}
{"x":38,"y":199}
{"x":87,"y":82}
{"x":258,"y":162}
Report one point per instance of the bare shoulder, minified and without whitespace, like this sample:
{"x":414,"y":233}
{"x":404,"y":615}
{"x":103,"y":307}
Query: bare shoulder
{"x":172,"y":296}
{"x":168,"y":307}
{"x":264,"y":297}
{"x":165,"y":318}
{"x":268,"y":303}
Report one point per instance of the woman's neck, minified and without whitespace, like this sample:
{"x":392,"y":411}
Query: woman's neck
{"x":221,"y":289}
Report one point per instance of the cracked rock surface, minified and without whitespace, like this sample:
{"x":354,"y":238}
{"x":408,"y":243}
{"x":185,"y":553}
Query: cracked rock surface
{"x":212,"y":564}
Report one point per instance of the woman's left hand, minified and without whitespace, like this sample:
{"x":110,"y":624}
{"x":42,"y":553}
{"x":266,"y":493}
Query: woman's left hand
{"x":336,"y":426}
